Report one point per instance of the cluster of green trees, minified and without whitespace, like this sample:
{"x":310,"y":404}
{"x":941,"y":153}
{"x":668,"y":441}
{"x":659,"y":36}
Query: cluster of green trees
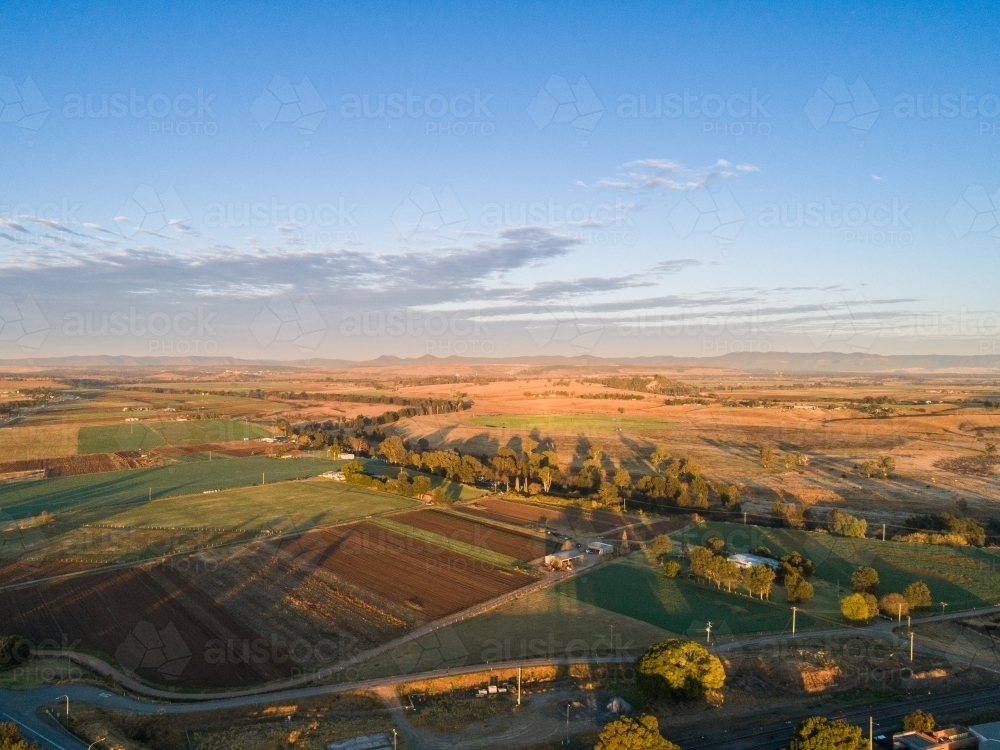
{"x":34,"y":397}
{"x":864,"y":603}
{"x":882,"y":468}
{"x":713,"y":565}
{"x":644,"y":384}
{"x":679,"y":483}
{"x":944,"y":528}
{"x":847,"y":525}
{"x":820,"y":733}
{"x":403,"y":485}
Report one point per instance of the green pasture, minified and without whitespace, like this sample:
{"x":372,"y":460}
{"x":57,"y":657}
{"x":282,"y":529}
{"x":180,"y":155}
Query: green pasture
{"x":134,"y":436}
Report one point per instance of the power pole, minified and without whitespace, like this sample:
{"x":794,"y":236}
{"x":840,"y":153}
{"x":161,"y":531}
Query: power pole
{"x":708,"y":632}
{"x":519,"y":686}
{"x":744,"y":518}
{"x":943,"y":605}
{"x":794,"y":611}
{"x":871,"y":733}
{"x":911,"y":645}
{"x":899,"y":612}
{"x":883,"y":532}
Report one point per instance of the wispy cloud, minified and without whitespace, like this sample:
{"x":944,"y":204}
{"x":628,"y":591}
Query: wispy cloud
{"x":651,"y":174}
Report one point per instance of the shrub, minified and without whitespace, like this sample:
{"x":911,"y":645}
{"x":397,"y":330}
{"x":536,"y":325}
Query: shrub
{"x":672,"y":569}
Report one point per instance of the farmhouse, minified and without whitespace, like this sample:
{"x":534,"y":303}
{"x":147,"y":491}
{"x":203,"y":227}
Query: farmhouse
{"x":744,"y":560}
{"x":564,"y":560}
{"x":601,"y":548}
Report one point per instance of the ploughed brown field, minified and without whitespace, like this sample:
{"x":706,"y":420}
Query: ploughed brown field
{"x":257,"y":612}
{"x":98,"y":612}
{"x":518,"y":546}
{"x":576,"y":519}
{"x":431,"y":580}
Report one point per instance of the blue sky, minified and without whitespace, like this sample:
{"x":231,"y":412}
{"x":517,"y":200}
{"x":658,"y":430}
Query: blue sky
{"x":603,"y":178}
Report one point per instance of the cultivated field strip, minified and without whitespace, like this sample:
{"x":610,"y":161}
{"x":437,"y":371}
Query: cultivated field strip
{"x":518,"y":546}
{"x":435,"y":539}
{"x":522,"y":514}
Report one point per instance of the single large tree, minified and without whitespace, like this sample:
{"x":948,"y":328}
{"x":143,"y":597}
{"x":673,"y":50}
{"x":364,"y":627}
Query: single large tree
{"x":819,"y":733}
{"x":680,"y":669}
{"x":918,"y":595}
{"x":864,"y":580}
{"x":626,"y":733}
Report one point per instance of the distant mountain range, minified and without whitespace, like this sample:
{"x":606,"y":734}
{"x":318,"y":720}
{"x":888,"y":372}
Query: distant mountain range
{"x":783,"y":362}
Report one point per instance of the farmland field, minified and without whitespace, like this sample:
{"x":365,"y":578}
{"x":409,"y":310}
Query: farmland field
{"x":429,"y":579}
{"x":25,"y":441}
{"x":434,"y":539}
{"x":283,"y":506}
{"x":517,"y":546}
{"x":92,"y":498}
{"x":98,"y":612}
{"x":341,"y":590}
{"x":534,"y":514}
{"x":576,"y":423}
{"x":153,"y":434}
{"x":632,"y":587}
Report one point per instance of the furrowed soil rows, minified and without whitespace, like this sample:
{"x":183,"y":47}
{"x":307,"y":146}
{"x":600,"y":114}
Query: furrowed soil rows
{"x":518,"y":546}
{"x":430,"y":580}
{"x":522,"y":514}
{"x":99,"y":612}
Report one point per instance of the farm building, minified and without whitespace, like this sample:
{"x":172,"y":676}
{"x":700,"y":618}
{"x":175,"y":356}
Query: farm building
{"x":337,"y":476}
{"x":744,"y":560}
{"x":600,"y":548}
{"x":346,"y":456}
{"x":950,"y":738}
{"x":988,"y":735}
{"x":564,"y":560}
